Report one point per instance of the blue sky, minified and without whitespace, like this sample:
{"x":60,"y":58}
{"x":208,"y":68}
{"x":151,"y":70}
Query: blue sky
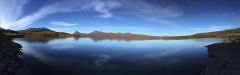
{"x":151,"y":17}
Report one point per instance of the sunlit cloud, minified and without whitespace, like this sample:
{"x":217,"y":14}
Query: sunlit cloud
{"x":10,"y":11}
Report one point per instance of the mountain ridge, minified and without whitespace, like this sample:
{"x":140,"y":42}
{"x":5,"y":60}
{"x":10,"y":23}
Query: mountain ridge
{"x":36,"y":30}
{"x":46,"y":32}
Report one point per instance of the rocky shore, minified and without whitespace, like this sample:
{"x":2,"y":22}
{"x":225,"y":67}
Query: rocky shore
{"x":10,"y":60}
{"x":223,"y":59}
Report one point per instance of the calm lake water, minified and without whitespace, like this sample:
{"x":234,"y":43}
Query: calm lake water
{"x":84,"y":56}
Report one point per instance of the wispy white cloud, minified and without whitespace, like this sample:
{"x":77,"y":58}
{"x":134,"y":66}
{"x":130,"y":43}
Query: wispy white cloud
{"x":66,"y":6}
{"x":168,"y":10}
{"x":155,"y":13}
{"x":163,"y":21}
{"x":105,"y":7}
{"x":10,"y":11}
{"x":214,"y":28}
{"x":62,"y":23}
{"x":143,"y":9}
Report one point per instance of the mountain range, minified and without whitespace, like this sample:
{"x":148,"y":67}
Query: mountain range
{"x":48,"y":33}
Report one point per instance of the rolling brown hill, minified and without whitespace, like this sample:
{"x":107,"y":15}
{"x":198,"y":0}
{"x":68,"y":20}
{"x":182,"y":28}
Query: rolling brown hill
{"x":221,"y":34}
{"x":43,"y":33}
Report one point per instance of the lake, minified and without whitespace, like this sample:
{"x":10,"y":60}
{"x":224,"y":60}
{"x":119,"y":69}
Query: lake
{"x":85,"y":56}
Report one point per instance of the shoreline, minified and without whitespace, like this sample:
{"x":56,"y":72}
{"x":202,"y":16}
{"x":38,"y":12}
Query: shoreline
{"x":223,"y":59}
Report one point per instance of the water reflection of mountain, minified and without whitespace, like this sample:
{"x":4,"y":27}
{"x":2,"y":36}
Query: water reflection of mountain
{"x":223,"y":59}
{"x":38,"y":40}
{"x":102,"y":39}
{"x":10,"y":60}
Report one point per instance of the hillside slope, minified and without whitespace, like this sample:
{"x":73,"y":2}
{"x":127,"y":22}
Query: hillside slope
{"x":223,"y":33}
{"x":43,"y":33}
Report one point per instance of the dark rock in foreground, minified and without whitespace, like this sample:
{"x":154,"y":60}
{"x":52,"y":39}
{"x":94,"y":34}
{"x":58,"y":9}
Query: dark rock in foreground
{"x":223,"y":59}
{"x":10,"y":60}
